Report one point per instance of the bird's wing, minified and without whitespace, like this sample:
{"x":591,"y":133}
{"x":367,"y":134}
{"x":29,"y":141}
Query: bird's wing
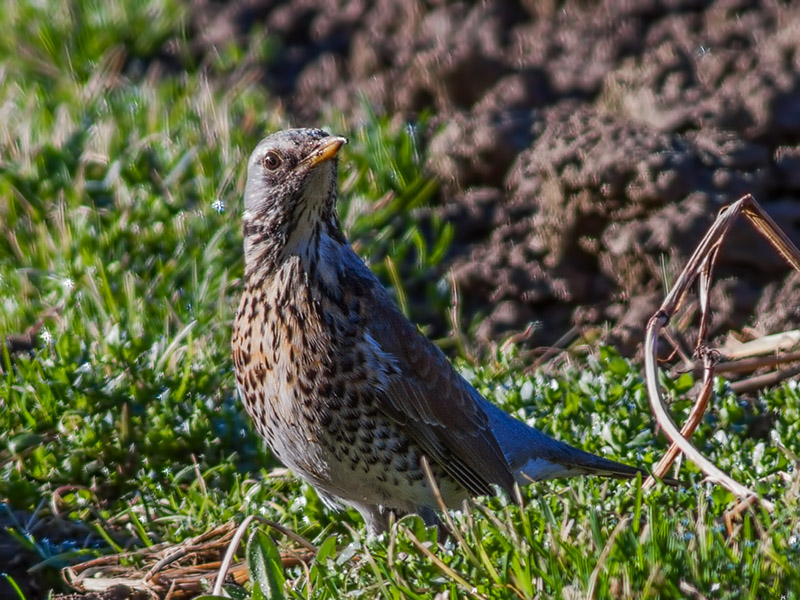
{"x":433,"y":402}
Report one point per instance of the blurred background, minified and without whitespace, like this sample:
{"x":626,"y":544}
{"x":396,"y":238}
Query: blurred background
{"x":581,"y":148}
{"x":577,"y":150}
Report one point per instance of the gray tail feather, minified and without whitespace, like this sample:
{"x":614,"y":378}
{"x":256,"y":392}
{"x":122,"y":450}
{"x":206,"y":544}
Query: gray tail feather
{"x":534,"y":456}
{"x":568,"y":461}
{"x":585,"y":463}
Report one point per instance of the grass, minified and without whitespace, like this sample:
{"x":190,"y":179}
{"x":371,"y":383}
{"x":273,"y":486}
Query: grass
{"x":121,"y":170}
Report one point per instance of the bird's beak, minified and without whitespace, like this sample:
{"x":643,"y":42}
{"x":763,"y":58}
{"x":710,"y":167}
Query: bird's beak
{"x":326,"y":150}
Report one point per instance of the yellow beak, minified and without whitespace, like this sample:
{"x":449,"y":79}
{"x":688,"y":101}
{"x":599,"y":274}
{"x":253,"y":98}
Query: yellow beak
{"x":327,"y":149}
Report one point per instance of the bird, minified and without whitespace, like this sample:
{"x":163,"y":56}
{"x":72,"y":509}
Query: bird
{"x":346,"y":391}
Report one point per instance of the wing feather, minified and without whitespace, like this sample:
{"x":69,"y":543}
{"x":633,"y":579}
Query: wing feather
{"x":435,"y":404}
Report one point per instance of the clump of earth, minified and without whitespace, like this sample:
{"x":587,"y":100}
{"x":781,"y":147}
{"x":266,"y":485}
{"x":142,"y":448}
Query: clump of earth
{"x":583,"y":147}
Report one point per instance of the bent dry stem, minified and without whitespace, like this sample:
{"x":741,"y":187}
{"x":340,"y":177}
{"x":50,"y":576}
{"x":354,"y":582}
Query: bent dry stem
{"x":701,"y":265}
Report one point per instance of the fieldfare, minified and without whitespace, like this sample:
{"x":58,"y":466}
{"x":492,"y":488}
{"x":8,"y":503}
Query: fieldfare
{"x":345,"y":390}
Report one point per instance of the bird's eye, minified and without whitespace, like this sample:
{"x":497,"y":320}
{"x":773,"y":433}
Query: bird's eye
{"x":271,"y":160}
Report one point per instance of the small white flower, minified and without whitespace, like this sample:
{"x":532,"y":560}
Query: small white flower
{"x":758,"y":455}
{"x":68,"y":284}
{"x":46,"y":336}
{"x":218,"y":205}
{"x":526,"y":391}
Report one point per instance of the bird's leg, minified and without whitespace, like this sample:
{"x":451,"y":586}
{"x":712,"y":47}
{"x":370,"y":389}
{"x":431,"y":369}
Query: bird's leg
{"x":430,"y":517}
{"x":377,"y":518}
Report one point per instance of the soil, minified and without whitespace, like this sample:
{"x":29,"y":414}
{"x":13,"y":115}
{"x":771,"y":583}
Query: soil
{"x":583,"y":147}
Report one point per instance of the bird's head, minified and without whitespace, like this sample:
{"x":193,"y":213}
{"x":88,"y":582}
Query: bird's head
{"x":290,"y":195}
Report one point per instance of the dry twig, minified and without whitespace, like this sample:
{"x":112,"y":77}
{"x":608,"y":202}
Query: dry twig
{"x":700,"y":266}
{"x":173,"y":570}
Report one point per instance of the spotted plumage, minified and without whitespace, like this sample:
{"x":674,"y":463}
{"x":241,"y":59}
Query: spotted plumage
{"x":344,"y":389}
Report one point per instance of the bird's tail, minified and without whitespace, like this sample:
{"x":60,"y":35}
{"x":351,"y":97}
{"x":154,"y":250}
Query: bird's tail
{"x":534,"y":456}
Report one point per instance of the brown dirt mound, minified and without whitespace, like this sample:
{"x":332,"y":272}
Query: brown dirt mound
{"x":583,"y":147}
